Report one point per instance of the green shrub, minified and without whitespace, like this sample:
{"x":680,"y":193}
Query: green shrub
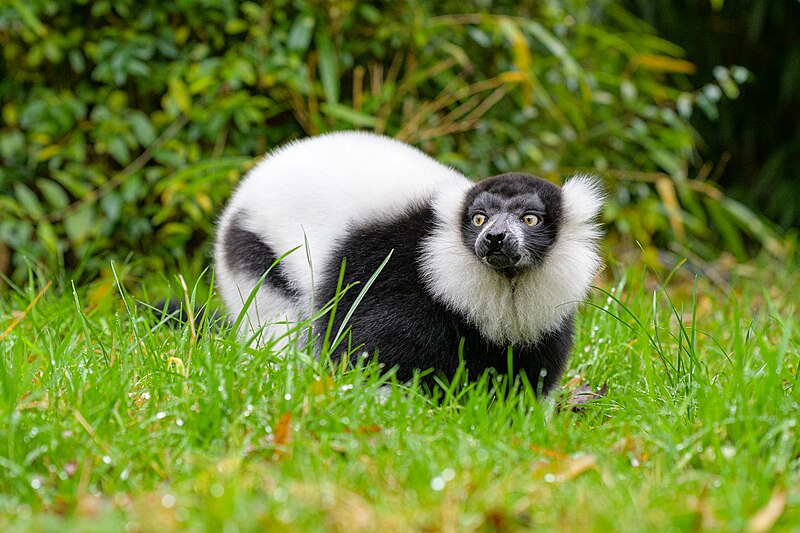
{"x":126,"y":124}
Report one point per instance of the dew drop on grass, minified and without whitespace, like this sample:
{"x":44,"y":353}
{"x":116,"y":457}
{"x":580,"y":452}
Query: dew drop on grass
{"x":549,"y":478}
{"x":124,"y":474}
{"x":63,"y":476}
{"x":728,"y":452}
{"x":36,"y":483}
{"x":107,"y":459}
{"x":345,"y":388}
{"x":437,"y":483}
{"x":287,"y":396}
{"x":179,"y":422}
{"x":161,"y":415}
{"x":168,"y":501}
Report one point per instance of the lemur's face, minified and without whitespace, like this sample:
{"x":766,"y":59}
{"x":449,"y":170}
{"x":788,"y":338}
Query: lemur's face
{"x":511,"y":221}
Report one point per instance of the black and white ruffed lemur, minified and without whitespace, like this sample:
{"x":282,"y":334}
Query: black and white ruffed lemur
{"x":475,"y":268}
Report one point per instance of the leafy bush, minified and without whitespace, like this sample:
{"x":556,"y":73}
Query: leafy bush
{"x":126,"y":124}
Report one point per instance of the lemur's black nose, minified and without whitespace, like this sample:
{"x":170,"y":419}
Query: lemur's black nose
{"x":495,"y":239}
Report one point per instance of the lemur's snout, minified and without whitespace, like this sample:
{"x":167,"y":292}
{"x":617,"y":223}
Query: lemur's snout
{"x":494,"y":240}
{"x":498,"y":247}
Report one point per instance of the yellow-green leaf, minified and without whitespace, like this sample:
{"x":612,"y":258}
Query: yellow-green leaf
{"x":180,"y":94}
{"x":663,"y":63}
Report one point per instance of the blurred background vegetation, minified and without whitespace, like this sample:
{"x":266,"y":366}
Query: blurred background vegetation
{"x":125,"y":124}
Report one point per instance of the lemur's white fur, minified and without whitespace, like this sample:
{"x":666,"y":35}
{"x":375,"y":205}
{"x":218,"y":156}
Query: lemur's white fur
{"x":314,"y":190}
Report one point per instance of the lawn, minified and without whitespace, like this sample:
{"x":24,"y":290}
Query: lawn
{"x":110,"y":420}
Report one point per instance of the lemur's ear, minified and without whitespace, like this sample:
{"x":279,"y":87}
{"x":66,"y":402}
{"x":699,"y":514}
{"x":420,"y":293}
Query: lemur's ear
{"x":583,"y":197}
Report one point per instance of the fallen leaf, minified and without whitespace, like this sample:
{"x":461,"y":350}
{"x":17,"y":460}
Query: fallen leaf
{"x":584,"y":394}
{"x":283,"y":430}
{"x":322,"y":386}
{"x":766,"y":517}
{"x":575,"y":381}
{"x":564,"y":469}
{"x":89,"y":506}
{"x":548,"y":452}
{"x":370,"y":428}
{"x":576,"y":466}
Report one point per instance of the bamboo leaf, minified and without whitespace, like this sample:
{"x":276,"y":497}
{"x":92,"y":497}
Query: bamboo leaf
{"x":349,"y":115}
{"x":661,"y":63}
{"x":328,"y":67}
{"x":666,"y":190}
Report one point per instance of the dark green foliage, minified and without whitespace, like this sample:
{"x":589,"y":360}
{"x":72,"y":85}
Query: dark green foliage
{"x":754,"y":139}
{"x":126,"y":124}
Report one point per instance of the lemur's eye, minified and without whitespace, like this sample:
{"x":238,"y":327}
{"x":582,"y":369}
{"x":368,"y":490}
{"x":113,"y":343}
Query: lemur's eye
{"x":531,"y":220}
{"x":478,"y":219}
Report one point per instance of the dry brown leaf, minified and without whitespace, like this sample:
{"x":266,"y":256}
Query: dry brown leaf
{"x":283,"y":430}
{"x":369,"y":428}
{"x":89,"y":506}
{"x":548,"y":452}
{"x":574,"y":382}
{"x":584,"y":394}
{"x":322,"y":386}
{"x":766,"y":517}
{"x":564,"y":469}
{"x":576,"y":466}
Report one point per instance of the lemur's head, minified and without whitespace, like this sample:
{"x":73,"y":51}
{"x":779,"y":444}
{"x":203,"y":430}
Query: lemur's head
{"x":512,"y":221}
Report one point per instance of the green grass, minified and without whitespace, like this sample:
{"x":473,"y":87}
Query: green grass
{"x":110,"y":421}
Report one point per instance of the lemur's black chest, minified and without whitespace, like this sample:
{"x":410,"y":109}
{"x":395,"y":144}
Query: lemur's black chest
{"x":398,"y":319}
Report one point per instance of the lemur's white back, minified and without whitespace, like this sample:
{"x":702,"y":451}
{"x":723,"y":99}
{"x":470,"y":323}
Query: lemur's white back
{"x":315,"y":190}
